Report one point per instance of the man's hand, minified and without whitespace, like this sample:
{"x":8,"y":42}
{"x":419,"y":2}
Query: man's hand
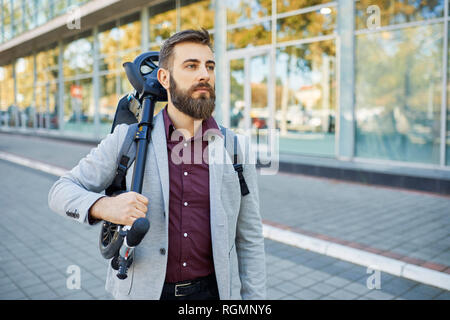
{"x":123,"y":209}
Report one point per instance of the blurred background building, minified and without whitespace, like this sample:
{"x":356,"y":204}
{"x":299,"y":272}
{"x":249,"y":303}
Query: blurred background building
{"x":349,"y":84}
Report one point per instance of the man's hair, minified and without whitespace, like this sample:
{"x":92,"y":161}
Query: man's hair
{"x":190,"y":35}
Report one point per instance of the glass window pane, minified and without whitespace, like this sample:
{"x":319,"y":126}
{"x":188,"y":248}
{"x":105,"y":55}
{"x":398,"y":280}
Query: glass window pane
{"x":29,"y":15}
{"x":237,"y":101}
{"x":247,"y":10}
{"x":46,"y":96}
{"x":78,"y":56}
{"x":448,"y":103}
{"x":78,"y":106}
{"x":24,"y":82}
{"x":108,"y":98}
{"x":128,"y":56}
{"x":259,"y":74}
{"x":398,"y":87}
{"x":129,"y":32}
{"x":290,"y":5}
{"x":196,"y":14}
{"x":108,"y":39}
{"x":370,"y":13}
{"x":41,"y":106}
{"x":306,"y":98}
{"x":124,"y":85}
{"x":7,"y":27}
{"x":163,"y":21}
{"x":44,"y":11}
{"x":17,"y":15}
{"x":311,"y":24}
{"x":60,"y":7}
{"x":6,"y":87}
{"x":254,"y":35}
{"x":46,"y":106}
{"x":47,"y":65}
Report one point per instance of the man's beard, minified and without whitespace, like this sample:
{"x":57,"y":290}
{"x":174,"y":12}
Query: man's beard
{"x":200,"y":108}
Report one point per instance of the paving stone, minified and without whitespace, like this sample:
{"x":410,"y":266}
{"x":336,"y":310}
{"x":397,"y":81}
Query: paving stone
{"x":443,"y":296}
{"x":342,"y":294}
{"x":275,"y":294}
{"x":323,"y":288}
{"x":428,"y":290}
{"x":307,"y":294}
{"x":13,"y":295}
{"x":46,"y":295}
{"x":337,"y":281}
{"x":289,"y":287}
{"x":35,"y":289}
{"x":304,"y":281}
{"x":379,"y":295}
{"x":357,"y":288}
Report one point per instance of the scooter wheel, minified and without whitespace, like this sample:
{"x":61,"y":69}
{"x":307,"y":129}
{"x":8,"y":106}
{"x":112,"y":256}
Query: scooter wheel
{"x":110,"y":240}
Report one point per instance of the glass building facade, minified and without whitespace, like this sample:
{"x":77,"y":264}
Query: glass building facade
{"x":366,"y":79}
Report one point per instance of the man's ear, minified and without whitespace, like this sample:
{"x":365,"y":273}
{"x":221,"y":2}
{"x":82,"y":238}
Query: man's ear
{"x":163,"y":78}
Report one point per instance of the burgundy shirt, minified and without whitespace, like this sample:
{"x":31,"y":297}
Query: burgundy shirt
{"x":190,"y":249}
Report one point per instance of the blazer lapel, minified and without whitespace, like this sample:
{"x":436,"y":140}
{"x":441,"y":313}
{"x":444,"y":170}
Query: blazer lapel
{"x":215,"y":177}
{"x":159,"y":144}
{"x":218,"y":219}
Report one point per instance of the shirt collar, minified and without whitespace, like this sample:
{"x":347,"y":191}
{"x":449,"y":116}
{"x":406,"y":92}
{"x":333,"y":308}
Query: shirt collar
{"x":209,"y":127}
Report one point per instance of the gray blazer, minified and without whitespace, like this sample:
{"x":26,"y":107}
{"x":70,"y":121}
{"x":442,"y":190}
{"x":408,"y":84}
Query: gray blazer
{"x":236,"y":227}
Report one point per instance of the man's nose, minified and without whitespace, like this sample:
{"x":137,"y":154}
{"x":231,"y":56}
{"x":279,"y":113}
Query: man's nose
{"x":203,"y":74}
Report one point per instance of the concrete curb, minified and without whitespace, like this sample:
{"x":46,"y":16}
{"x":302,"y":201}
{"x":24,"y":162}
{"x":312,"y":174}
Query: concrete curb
{"x":33,"y":164}
{"x":360,"y":257}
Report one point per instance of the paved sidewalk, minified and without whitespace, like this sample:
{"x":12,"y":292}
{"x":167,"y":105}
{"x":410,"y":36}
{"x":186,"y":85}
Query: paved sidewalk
{"x":41,"y":247}
{"x":401,"y":224}
{"x":406,"y":225}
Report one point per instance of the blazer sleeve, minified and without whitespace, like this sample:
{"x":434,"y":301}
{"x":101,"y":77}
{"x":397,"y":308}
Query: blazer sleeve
{"x":75,"y":192}
{"x":249,"y":236}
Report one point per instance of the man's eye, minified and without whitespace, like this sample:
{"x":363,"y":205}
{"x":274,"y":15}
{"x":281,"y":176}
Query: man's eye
{"x":211,"y":68}
{"x":190,"y":66}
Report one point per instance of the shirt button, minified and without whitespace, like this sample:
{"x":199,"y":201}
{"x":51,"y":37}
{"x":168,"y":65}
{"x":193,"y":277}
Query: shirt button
{"x":185,"y":235}
{"x":185,"y":204}
{"x":185,"y":173}
{"x":184,"y":264}
{"x":162,"y":251}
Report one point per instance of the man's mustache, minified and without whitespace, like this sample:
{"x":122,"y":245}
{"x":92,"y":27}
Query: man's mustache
{"x":206,"y":86}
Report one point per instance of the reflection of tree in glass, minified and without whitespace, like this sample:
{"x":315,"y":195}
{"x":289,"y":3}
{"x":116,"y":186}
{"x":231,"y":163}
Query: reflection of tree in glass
{"x":246,"y":10}
{"x":116,"y":43}
{"x":236,"y":81}
{"x":255,"y":35}
{"x":290,"y":5}
{"x":311,"y":24}
{"x":398,"y":82}
{"x":313,"y":64}
{"x":78,"y":57}
{"x":163,"y":21}
{"x":6,"y":86}
{"x":196,"y":14}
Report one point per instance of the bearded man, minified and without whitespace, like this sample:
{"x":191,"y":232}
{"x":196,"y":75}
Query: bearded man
{"x":202,"y":230}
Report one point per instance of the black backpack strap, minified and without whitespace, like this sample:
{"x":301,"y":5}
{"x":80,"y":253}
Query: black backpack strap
{"x":126,"y":156}
{"x":235,"y":158}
